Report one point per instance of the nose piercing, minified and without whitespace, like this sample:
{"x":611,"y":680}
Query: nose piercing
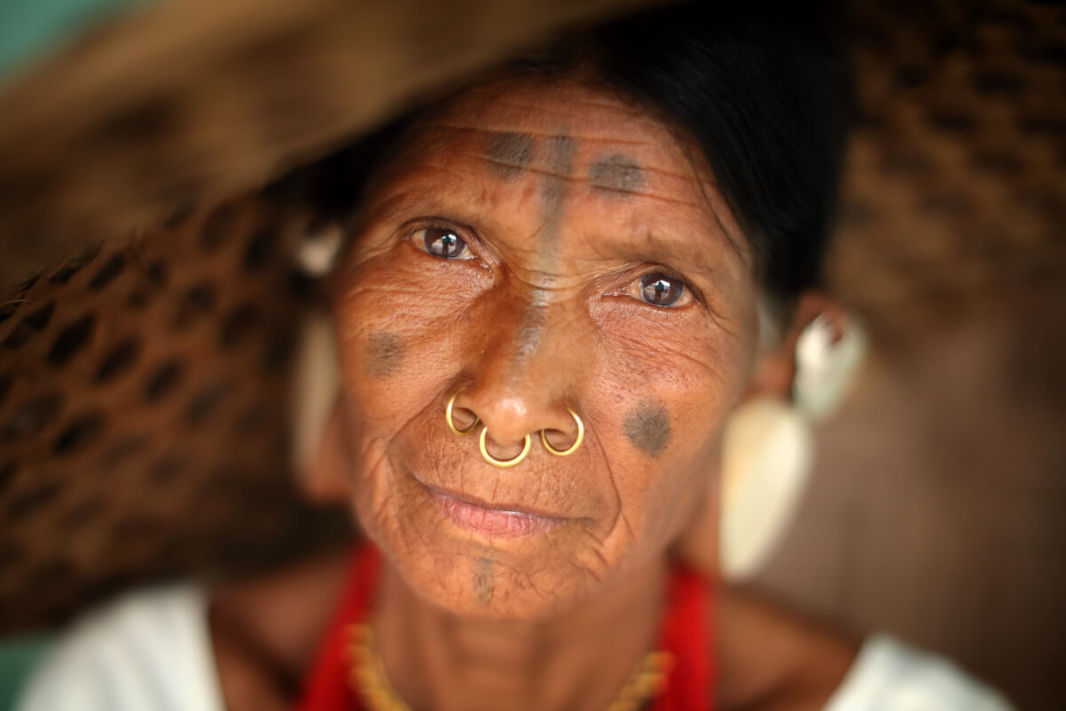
{"x":577,"y":441}
{"x":451,"y":423}
{"x":526,"y":445}
{"x":503,"y":463}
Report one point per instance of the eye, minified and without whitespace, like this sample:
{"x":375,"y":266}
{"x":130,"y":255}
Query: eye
{"x":444,"y":243}
{"x":660,"y":289}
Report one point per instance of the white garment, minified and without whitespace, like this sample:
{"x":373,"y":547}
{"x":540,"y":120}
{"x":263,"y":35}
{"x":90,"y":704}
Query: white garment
{"x":147,"y":651}
{"x":150,"y":651}
{"x":889,"y":676}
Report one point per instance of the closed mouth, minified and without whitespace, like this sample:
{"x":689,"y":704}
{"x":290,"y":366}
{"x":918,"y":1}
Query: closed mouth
{"x":498,"y":520}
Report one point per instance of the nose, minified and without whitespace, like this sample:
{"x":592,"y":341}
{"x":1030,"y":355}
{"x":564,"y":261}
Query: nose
{"x":525,"y":375}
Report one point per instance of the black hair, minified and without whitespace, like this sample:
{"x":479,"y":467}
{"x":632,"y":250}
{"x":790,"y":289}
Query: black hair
{"x":756,"y":85}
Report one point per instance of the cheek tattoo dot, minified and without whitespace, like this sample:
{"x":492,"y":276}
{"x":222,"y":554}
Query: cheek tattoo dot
{"x":648,"y":428}
{"x":383,"y":354}
{"x":509,"y":154}
{"x":616,"y":174}
{"x":483,"y":581}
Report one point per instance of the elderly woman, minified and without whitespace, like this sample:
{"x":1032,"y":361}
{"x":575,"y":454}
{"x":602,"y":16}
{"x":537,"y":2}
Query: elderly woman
{"x":561,"y":280}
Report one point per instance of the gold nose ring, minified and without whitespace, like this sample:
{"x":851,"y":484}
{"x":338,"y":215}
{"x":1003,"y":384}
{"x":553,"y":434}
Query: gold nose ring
{"x":451,"y":422}
{"x":503,"y":463}
{"x":577,"y":441}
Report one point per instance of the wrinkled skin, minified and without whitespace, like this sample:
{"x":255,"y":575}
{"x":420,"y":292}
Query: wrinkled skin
{"x":556,"y":203}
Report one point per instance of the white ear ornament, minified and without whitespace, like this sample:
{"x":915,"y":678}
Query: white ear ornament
{"x":826,"y":366}
{"x":316,"y":380}
{"x":318,"y":248}
{"x":768,"y":448}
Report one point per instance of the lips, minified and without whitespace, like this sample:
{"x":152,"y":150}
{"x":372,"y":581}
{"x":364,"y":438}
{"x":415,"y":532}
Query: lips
{"x":497,"y":521}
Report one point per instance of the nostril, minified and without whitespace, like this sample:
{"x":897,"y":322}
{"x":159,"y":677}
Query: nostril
{"x":503,"y":462}
{"x":559,"y":439}
{"x":573,"y":447}
{"x":464,"y":418}
{"x":503,"y":446}
{"x":461,"y":420}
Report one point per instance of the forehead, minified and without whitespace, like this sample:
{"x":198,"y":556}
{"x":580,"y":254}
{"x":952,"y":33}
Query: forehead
{"x":571,"y":107}
{"x":573,"y":139}
{"x":513,"y":122}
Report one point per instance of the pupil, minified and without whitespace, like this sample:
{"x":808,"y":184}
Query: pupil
{"x":443,"y":243}
{"x":660,"y":290}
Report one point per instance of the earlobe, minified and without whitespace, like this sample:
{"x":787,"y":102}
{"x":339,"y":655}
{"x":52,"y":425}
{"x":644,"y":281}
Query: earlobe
{"x":828,"y":354}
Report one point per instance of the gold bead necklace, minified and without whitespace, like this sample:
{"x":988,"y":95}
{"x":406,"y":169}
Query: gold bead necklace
{"x":367,"y":676}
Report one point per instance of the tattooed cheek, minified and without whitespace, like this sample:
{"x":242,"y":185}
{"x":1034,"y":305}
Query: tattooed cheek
{"x":647,"y":427}
{"x":383,"y":354}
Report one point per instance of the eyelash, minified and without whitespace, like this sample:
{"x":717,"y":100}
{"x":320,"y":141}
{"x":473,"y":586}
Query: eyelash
{"x":637,"y":289}
{"x":421,"y":239}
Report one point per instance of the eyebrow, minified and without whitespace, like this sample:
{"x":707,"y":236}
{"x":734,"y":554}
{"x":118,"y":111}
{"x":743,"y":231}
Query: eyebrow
{"x":657,"y":248}
{"x":687,"y":152}
{"x":716,"y":281}
{"x":514,"y":152}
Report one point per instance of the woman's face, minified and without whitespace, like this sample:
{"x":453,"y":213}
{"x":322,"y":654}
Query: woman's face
{"x":536,"y":248}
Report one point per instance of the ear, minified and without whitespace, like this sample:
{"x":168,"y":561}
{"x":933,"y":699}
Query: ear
{"x":767,"y":447}
{"x":775,"y":373}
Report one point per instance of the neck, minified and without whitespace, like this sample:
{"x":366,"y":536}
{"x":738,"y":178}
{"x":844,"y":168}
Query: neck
{"x":579,"y":659}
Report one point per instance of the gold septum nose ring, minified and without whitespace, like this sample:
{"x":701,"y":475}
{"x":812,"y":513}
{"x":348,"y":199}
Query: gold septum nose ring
{"x":526,"y":444}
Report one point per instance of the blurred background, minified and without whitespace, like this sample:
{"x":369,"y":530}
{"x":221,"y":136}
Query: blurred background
{"x":144,"y":383}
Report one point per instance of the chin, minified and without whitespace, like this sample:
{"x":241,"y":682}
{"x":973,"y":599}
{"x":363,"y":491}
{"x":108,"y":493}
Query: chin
{"x":481,"y":587}
{"x":511,"y":571}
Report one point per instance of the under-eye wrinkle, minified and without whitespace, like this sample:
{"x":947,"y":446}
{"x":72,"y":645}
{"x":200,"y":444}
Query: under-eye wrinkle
{"x":383,"y":354}
{"x":647,"y":427}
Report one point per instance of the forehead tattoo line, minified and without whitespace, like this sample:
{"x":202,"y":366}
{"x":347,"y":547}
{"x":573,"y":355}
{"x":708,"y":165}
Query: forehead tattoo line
{"x":509,"y":153}
{"x":560,"y":165}
{"x":644,"y":193}
{"x":520,"y":107}
{"x":539,"y":135}
{"x":616,"y":174}
{"x":551,"y":187}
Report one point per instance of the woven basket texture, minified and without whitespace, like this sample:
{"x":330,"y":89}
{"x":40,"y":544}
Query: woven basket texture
{"x":144,"y":370}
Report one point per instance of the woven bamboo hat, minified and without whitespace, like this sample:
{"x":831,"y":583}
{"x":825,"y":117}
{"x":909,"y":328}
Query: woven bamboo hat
{"x":145,"y":350}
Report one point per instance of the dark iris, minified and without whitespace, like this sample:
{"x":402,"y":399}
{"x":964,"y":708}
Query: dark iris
{"x":660,"y":290}
{"x":444,"y":243}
